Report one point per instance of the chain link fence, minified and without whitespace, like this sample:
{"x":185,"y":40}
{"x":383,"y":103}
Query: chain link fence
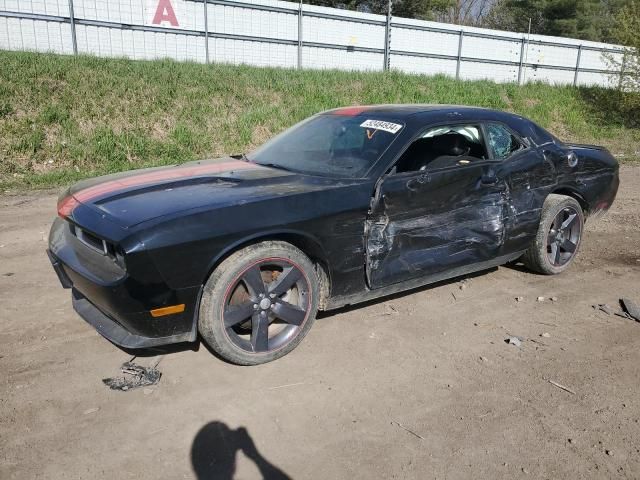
{"x":291,"y":35}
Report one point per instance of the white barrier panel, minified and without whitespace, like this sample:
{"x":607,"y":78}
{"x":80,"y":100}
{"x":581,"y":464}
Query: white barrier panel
{"x":270,"y":33}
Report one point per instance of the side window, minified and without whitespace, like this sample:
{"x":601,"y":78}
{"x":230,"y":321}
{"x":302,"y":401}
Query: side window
{"x":443,"y":146}
{"x":501,"y":141}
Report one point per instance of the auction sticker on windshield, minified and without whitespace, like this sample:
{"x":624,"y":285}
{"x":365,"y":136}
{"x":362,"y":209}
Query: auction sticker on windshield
{"x":380,"y":125}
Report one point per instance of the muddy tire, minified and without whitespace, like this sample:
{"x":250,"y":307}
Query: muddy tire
{"x":558,"y":238}
{"x":259,"y":303}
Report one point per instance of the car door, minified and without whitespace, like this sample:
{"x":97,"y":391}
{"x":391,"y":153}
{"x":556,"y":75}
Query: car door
{"x":439,"y":217}
{"x":530,"y":175}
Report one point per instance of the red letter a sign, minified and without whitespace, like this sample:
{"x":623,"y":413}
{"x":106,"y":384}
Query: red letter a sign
{"x":165,"y":13}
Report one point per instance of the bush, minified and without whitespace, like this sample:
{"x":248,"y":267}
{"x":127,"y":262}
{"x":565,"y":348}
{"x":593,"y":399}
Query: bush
{"x":628,"y":26}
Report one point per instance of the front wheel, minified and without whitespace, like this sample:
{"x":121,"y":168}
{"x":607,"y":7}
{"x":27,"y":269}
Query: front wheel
{"x":559,"y":235}
{"x":259,"y":303}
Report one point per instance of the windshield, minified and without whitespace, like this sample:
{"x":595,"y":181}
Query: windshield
{"x":329,"y":145}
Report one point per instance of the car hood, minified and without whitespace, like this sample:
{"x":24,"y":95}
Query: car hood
{"x":131,"y":198}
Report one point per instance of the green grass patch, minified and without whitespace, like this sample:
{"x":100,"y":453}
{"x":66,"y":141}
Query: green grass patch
{"x":63,"y":118}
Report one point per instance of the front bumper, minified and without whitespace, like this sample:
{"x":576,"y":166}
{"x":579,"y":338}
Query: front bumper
{"x":116,"y":333}
{"x":118,"y":305}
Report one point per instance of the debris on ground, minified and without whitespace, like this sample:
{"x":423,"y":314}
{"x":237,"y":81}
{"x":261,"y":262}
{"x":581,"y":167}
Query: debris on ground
{"x":603,"y":307}
{"x":514,"y":341}
{"x":390,"y":310}
{"x":609,"y":452}
{"x":561,"y":387}
{"x":540,"y":299}
{"x":545,"y":334}
{"x":554,"y":299}
{"x":89,"y":411}
{"x":519,"y":299}
{"x":407,"y":430}
{"x":631,"y":308}
{"x":134,"y":376}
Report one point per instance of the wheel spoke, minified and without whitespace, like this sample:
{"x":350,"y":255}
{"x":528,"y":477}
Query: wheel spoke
{"x":568,"y":246}
{"x":552,"y":236}
{"x":253,"y":279}
{"x":286,"y":280}
{"x":259,"y":332}
{"x":235,"y":314}
{"x":557,"y":259}
{"x":555,"y":254}
{"x":569,"y":221}
{"x":291,"y":314}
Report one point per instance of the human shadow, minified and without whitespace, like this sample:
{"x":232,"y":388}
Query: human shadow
{"x":214,"y":449}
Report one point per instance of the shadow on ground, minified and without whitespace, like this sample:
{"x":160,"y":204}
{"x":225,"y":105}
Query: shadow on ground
{"x":404,"y":293}
{"x":214,"y":450}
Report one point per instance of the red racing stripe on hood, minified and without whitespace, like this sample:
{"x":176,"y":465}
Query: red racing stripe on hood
{"x":149,"y":178}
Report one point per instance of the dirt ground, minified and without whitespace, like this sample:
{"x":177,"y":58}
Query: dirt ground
{"x":421,"y":385}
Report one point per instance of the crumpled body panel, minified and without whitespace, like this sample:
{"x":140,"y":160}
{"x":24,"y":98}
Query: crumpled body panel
{"x":405,"y":249}
{"x":454,"y":219}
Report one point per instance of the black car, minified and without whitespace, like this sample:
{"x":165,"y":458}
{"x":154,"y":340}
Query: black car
{"x":348,"y":205}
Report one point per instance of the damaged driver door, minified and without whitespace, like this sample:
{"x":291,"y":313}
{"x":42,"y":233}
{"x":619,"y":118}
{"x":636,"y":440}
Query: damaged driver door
{"x":438,"y":218}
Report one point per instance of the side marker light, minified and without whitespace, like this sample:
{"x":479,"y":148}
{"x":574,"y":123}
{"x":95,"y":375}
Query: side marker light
{"x":161,"y":312}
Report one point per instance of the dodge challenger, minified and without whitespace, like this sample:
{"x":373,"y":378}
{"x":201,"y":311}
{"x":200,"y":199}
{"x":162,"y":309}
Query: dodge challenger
{"x":348,"y":205}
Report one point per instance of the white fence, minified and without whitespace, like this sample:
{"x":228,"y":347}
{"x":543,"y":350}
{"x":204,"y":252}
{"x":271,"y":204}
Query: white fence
{"x":284,"y":34}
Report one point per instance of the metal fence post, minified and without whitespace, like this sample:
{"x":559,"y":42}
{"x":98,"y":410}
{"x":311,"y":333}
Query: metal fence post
{"x":575,"y":76}
{"x":521,"y":61}
{"x":72,"y":20}
{"x":459,"y":54}
{"x":206,"y":30}
{"x":300,"y":35}
{"x":387,"y":39}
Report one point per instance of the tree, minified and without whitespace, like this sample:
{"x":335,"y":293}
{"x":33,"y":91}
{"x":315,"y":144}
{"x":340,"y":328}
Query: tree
{"x":466,"y":12}
{"x":626,"y":32}
{"x":583,"y":19}
{"x":421,"y":9}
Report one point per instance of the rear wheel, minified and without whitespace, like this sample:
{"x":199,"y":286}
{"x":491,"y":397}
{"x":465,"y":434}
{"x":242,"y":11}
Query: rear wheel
{"x":259,"y":303}
{"x":559,"y":235}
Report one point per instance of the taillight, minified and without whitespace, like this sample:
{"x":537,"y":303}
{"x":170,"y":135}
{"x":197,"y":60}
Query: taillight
{"x":67,"y":205}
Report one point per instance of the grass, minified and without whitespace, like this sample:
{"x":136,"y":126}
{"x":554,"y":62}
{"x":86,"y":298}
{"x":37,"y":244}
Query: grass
{"x":64,"y":118}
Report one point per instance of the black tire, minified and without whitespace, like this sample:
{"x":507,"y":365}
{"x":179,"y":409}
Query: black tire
{"x":245,"y":299}
{"x":555,"y":247}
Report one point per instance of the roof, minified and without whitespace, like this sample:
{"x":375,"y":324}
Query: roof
{"x":401,"y":110}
